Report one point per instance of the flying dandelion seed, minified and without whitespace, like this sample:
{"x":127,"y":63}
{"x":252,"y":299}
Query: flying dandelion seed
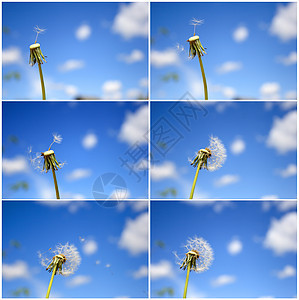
{"x":198,"y":258}
{"x":211,"y":158}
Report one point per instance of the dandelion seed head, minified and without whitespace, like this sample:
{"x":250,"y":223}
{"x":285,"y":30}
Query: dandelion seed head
{"x":218,"y":156}
{"x":71,"y":254}
{"x":204,"y":254}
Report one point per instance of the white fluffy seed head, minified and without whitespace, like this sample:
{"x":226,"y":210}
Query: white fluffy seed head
{"x":205,"y":251}
{"x":73,"y":258}
{"x":218,"y":156}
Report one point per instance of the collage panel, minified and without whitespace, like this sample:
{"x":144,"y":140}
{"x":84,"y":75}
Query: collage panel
{"x":223,"y":50}
{"x":99,"y":250}
{"x":223,"y":150}
{"x":75,"y":150}
{"x":76,"y":50}
{"x":237,"y":249}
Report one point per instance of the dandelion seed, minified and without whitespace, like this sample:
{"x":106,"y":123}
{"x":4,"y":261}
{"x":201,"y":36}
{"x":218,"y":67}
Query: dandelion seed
{"x":198,"y":258}
{"x":63,"y":260}
{"x":211,"y":158}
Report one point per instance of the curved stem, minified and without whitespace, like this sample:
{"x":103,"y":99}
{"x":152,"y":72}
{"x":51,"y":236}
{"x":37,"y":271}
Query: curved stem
{"x":51,"y":281}
{"x":194,"y":181}
{"x":55,"y":183}
{"x":42,"y":81}
{"x":203,"y":77}
{"x":187,"y":280}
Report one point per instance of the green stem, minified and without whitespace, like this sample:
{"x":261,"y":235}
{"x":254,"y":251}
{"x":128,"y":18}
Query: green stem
{"x":194,"y":181}
{"x":187,"y":280}
{"x":51,"y":281}
{"x":203,"y":77}
{"x":55,"y":183}
{"x":42,"y":81}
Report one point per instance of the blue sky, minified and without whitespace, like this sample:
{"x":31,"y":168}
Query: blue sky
{"x":96,"y":50}
{"x":260,"y":139}
{"x":251,"y":50}
{"x":109,"y":259}
{"x":98,"y":138}
{"x":254,"y":245}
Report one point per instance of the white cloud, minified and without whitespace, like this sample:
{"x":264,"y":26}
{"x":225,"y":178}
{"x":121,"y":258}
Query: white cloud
{"x":139,"y":205}
{"x":281,"y":206}
{"x":168,"y":57}
{"x":18,"y":164}
{"x":133,"y":94}
{"x":282,"y":234}
{"x":287,"y":271}
{"x":112,"y":90}
{"x":142,"y":272}
{"x":227,"y":180}
{"x":78,"y":280}
{"x":134,"y":237}
{"x":163,"y":269}
{"x":11,"y":55}
{"x":229,"y":66}
{"x":223,"y":280}
{"x":71,"y":90}
{"x":132,"y":20}
{"x":286,"y":105}
{"x":291,"y":59}
{"x":90,"y":247}
{"x":240,"y":34}
{"x":235,"y":246}
{"x":78,"y":174}
{"x":71,"y":64}
{"x":238,"y":146}
{"x":135,"y":56}
{"x":269,"y":197}
{"x":17,"y":270}
{"x":135,"y":126}
{"x":291,"y":95}
{"x":120,"y":194}
{"x":284,"y":23}
{"x":228,"y":92}
{"x":89,"y":141}
{"x":83,"y":32}
{"x":143,"y":82}
{"x":290,"y":170}
{"x":163,"y":171}
{"x":270,"y":91}
{"x":283,"y":134}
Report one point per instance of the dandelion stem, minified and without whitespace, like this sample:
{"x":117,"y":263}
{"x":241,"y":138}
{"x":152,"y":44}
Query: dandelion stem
{"x":194,"y":181}
{"x":187,"y":280}
{"x":203,"y":77}
{"x":55,"y":183}
{"x":42,"y":81}
{"x":51,"y":281}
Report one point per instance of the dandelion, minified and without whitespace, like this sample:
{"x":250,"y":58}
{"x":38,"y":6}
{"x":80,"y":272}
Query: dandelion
{"x":196,"y":48}
{"x":36,"y":56}
{"x":198,"y":258}
{"x":48,"y":161}
{"x":63,"y":260}
{"x":211,"y":158}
